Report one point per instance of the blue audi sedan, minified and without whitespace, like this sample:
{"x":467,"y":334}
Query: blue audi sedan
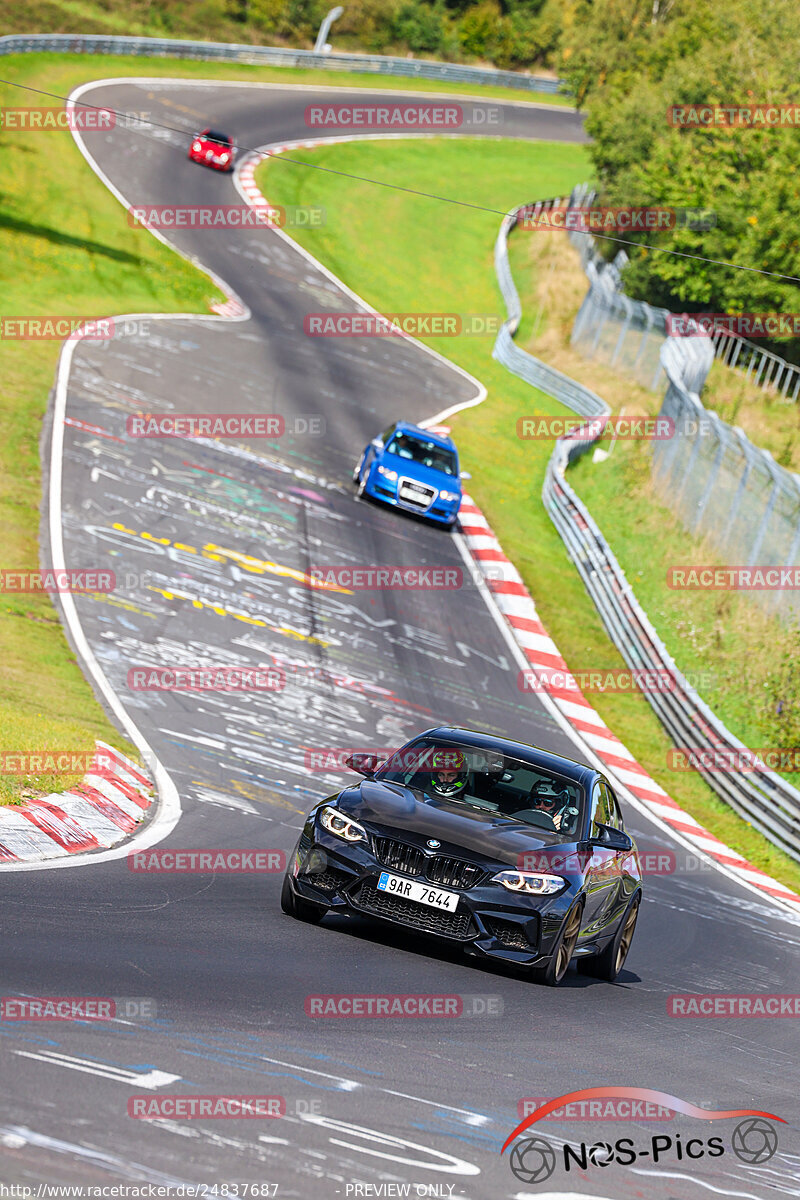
{"x":413,"y":469}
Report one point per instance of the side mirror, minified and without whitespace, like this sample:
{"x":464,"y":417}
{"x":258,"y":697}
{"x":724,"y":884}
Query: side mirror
{"x":466,"y":475}
{"x":364,"y":764}
{"x":613,"y":839}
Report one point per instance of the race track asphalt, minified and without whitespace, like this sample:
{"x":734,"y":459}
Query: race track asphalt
{"x":207,"y":540}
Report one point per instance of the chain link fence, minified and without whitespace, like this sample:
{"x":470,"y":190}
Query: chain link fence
{"x":628,"y":334}
{"x":758,"y":793}
{"x":724,"y":488}
{"x":721,"y":486}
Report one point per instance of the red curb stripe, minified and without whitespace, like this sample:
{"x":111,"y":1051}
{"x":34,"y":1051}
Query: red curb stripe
{"x":106,"y":808}
{"x":63,"y":830}
{"x":507,"y":587}
{"x":528,"y":624}
{"x":538,"y":658}
{"x":576,"y":698}
{"x":623,"y":764}
{"x":128,"y":790}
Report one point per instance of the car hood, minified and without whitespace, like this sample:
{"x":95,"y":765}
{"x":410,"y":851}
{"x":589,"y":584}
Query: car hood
{"x":485,"y":834}
{"x":415,"y":470}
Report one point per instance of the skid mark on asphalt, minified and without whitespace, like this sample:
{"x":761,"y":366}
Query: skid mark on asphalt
{"x":216,"y":543}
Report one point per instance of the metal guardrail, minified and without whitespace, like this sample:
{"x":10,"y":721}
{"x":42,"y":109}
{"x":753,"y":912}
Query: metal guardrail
{"x":277,"y":56}
{"x":759,"y":795}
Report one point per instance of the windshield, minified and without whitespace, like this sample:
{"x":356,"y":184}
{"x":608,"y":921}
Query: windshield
{"x":222,"y":138}
{"x":484,"y":779}
{"x":429,"y":454}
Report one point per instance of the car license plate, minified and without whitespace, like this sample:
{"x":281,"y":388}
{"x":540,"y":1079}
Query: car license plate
{"x":422,"y":893}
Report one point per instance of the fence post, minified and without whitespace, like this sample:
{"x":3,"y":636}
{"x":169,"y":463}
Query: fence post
{"x":712,"y":475}
{"x":765,"y":520}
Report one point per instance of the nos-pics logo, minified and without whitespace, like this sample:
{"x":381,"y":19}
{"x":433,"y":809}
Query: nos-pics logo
{"x":534,"y":1159}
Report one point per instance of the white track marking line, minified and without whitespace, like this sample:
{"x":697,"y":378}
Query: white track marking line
{"x":345,"y":1085}
{"x":470,"y":1117}
{"x":150,"y":1080}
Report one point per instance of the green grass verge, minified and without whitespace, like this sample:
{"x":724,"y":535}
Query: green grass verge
{"x":406,"y":254}
{"x":67,"y":249}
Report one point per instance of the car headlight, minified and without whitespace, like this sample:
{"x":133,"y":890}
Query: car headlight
{"x":197,"y":145}
{"x":531,"y":883}
{"x":224,"y":157}
{"x":341,"y":826}
{"x":391,"y":475}
{"x":448,"y":496}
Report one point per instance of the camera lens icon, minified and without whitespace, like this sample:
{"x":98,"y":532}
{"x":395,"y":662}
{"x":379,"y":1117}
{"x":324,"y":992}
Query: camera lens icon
{"x":754,"y":1141}
{"x":533,"y":1160}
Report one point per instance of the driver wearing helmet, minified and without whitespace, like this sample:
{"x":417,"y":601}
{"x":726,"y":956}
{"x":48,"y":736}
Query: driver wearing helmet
{"x":448,"y":773}
{"x":551,"y":798}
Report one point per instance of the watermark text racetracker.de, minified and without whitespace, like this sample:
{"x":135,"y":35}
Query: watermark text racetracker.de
{"x":408,"y":324}
{"x":227,"y":216}
{"x":608,"y":1109}
{"x":716,"y":1004}
{"x":610,"y":679}
{"x":389,"y":578}
{"x":419,"y":116}
{"x":206,"y":679}
{"x":408,"y":1006}
{"x":199,"y":1108}
{"x":74,"y":117}
{"x":548,"y":428}
{"x":50,"y":761}
{"x":765,"y":578}
{"x":734,"y":758}
{"x":223,"y":425}
{"x":746,"y":325}
{"x":77,"y":1008}
{"x":223,"y":861}
{"x":138,"y":1191}
{"x":84,"y":581}
{"x":734,"y":116}
{"x":625,"y":219}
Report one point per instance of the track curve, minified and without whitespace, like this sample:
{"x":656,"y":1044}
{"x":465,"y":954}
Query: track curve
{"x":207,"y":537}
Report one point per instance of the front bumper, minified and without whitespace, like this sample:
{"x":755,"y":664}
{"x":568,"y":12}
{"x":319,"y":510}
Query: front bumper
{"x":440,"y":511}
{"x":489,"y":921}
{"x":198,"y":156}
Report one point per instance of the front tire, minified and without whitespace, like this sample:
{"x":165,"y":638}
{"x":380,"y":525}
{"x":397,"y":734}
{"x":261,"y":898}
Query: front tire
{"x":556,"y":969}
{"x":609,"y":962}
{"x":304,"y":910}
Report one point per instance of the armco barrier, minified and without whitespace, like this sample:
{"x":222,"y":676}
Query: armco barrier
{"x":274,"y":56}
{"x":761,"y":796}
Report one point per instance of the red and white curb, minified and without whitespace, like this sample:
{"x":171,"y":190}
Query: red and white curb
{"x":104,"y":808}
{"x":516,"y":604}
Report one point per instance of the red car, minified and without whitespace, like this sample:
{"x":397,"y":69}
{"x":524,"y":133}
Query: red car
{"x":212,"y":149}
